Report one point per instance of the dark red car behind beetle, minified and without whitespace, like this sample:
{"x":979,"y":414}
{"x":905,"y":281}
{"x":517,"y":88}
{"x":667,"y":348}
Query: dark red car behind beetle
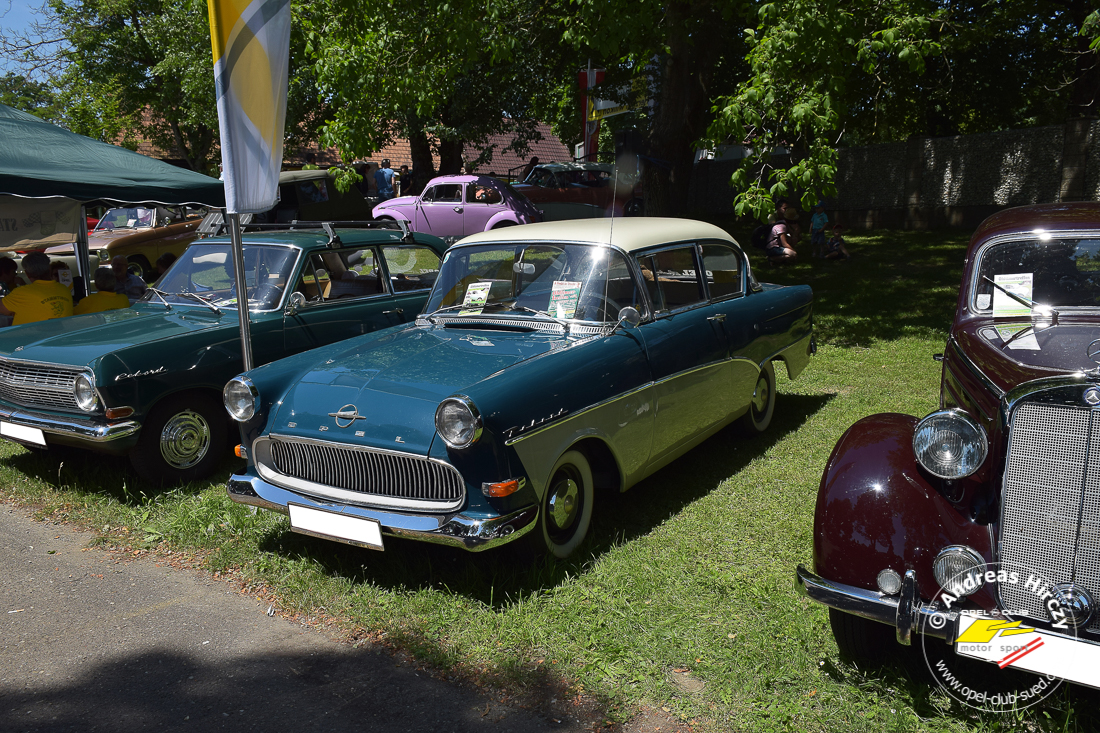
{"x":984,"y":515}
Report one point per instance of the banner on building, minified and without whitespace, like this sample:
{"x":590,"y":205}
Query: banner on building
{"x":251,"y":43}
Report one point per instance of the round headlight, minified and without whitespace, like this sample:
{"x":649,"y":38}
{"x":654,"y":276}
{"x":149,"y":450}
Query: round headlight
{"x":959,"y":570}
{"x":949,"y":444}
{"x":458,"y":422}
{"x":84,"y":391}
{"x":240,"y":396}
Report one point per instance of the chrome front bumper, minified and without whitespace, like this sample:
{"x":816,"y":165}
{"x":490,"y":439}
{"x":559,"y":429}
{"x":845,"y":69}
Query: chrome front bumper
{"x":905,"y":611}
{"x":457,"y":530}
{"x":94,"y":431}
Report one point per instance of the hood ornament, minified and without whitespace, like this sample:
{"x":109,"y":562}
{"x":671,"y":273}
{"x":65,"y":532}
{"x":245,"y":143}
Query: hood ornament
{"x":350,"y":413}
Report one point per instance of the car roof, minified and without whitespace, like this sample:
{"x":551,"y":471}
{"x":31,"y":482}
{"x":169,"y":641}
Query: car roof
{"x":1070,"y":216}
{"x":557,"y":167}
{"x":314,"y":238}
{"x":307,"y":175}
{"x":462,"y":178}
{"x":627,"y":233}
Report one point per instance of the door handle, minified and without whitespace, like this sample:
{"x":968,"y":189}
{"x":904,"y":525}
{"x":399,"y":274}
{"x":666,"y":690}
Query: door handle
{"x":720,"y":317}
{"x":398,"y":311}
{"x":458,"y":209}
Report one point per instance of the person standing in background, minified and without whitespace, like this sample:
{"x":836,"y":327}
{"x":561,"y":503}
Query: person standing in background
{"x":383,"y":177}
{"x":818,"y":222}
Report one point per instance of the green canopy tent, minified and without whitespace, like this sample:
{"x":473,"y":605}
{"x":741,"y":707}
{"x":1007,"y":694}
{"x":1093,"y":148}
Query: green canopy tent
{"x":48,"y":175}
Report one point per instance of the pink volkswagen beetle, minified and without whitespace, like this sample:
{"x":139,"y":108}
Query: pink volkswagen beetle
{"x":452,"y":207}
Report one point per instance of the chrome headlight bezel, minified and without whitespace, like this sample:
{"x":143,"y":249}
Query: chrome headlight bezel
{"x":946,"y":567}
{"x":233,"y":395}
{"x":84,"y":392}
{"x":456,"y":406}
{"x":941,"y":426}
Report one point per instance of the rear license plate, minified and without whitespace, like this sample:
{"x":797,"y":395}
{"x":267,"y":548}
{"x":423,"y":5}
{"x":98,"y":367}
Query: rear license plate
{"x":330,"y":525}
{"x":22,"y":433}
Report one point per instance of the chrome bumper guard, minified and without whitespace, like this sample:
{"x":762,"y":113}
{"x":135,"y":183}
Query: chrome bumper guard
{"x":91,"y":430}
{"x":905,"y":611}
{"x":456,"y":530}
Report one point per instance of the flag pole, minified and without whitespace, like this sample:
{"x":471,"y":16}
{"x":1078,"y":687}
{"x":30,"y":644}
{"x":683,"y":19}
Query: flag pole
{"x":237,"y":247}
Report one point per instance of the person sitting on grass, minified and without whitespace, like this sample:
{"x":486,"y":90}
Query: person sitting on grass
{"x":837,"y":250}
{"x":781,"y":241}
{"x":42,"y":300}
{"x":106,"y":299}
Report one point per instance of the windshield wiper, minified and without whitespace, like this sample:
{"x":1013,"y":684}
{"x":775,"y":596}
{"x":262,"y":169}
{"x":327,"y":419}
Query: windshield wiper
{"x":1025,"y":301}
{"x":202,"y":300}
{"x":469,"y":306}
{"x":525,"y":309}
{"x":160,"y":295}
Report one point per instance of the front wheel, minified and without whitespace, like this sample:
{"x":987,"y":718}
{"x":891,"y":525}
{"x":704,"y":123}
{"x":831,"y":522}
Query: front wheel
{"x":181,"y":441}
{"x":861,"y":640}
{"x":634,"y":207}
{"x":566,"y":510}
{"x":762,"y":405}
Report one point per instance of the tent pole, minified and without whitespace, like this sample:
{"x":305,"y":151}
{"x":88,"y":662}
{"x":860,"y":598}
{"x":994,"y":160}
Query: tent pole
{"x":80,"y":248}
{"x":242,"y":286}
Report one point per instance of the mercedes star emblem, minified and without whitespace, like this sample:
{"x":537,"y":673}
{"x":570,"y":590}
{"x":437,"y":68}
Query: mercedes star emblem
{"x":1092,"y":351}
{"x":347,"y":412}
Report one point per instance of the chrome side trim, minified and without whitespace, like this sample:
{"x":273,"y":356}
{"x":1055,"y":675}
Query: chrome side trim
{"x":265,"y":467}
{"x":906,"y":612}
{"x":91,"y":430}
{"x":457,"y":530}
{"x":579,"y":413}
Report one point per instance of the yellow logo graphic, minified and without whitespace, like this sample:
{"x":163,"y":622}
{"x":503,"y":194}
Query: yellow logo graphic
{"x":983,"y":630}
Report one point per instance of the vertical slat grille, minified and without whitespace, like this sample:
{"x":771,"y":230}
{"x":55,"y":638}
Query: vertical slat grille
{"x":373,"y":473}
{"x":1052,"y":501}
{"x":37,"y":385}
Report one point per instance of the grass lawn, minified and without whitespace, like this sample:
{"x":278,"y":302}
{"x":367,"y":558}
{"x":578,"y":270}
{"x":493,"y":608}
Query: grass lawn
{"x":683,"y":597}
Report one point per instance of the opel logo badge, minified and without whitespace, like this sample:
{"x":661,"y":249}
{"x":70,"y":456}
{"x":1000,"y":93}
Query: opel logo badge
{"x":1092,"y":351}
{"x":350,"y":413}
{"x":1075,"y":602}
{"x":1092,"y":395}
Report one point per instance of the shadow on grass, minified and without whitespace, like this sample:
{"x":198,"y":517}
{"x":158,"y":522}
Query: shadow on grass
{"x":500,"y":577}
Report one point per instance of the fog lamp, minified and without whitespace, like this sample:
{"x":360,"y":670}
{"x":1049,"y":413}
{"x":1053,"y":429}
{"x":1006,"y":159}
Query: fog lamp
{"x":458,"y":422}
{"x":239,"y":397}
{"x":889,"y":582}
{"x":84,"y":392}
{"x":949,"y":444}
{"x":959,"y":570}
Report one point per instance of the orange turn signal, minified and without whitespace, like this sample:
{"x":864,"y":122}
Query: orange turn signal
{"x":114,"y":413}
{"x":503,"y":488}
{"x":240,"y":451}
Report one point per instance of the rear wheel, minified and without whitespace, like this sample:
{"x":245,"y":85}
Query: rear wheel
{"x":566,"y":510}
{"x":634,"y":207}
{"x":139,"y":265}
{"x":762,"y":406}
{"x":182,"y":440}
{"x":861,"y":640}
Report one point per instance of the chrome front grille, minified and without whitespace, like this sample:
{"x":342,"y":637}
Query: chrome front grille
{"x":378,"y":476}
{"x":37,"y":385}
{"x":1050,"y":520}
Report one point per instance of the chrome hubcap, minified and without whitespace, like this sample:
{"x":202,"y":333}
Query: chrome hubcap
{"x":563,"y":503}
{"x":185,"y":439}
{"x":760,"y":396}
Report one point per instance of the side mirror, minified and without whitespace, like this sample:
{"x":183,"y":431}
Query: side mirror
{"x":629,"y":317}
{"x":294,"y":302}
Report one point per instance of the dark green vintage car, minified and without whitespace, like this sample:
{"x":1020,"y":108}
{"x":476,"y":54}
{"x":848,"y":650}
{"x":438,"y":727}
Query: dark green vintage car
{"x":146,"y":381}
{"x":552,"y":360}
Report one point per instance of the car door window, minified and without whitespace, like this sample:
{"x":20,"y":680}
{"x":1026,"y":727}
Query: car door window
{"x":411,"y":267}
{"x":723,"y":268}
{"x":445,"y":193}
{"x":348,"y":273}
{"x":672,"y":278}
{"x":477,"y":193}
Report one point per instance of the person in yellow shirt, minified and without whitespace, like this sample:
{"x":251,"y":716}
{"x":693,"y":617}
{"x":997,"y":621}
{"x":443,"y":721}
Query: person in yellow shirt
{"x":42,"y":300}
{"x":106,"y":299}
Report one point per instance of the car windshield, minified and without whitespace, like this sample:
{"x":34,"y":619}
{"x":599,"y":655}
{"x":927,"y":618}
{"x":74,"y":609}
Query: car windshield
{"x":206,"y":271}
{"x":1062,"y":273}
{"x":130,"y":217}
{"x":565,"y":281}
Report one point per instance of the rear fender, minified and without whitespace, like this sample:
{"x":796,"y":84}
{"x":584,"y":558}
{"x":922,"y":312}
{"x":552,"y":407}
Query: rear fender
{"x":506,"y":216}
{"x":877,"y":508}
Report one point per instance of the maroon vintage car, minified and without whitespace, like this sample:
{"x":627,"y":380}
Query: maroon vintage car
{"x":981,"y":521}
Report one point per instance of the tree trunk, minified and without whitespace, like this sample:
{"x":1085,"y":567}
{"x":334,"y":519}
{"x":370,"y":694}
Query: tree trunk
{"x":423,"y":167}
{"x":682,"y":106}
{"x":1086,"y":77}
{"x":450,"y":157}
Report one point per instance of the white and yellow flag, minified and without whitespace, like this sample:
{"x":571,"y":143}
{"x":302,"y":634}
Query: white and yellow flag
{"x":251,"y":40}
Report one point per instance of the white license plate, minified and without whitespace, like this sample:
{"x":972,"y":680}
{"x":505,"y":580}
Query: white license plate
{"x":1032,"y":650}
{"x":330,"y":525}
{"x":23,"y":433}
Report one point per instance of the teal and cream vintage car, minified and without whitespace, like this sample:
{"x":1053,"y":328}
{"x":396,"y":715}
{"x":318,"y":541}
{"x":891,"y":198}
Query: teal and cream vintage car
{"x":146,"y":381}
{"x":552,"y":361}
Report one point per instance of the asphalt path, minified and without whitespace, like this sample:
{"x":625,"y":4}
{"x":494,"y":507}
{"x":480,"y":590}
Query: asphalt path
{"x":92,"y":643}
